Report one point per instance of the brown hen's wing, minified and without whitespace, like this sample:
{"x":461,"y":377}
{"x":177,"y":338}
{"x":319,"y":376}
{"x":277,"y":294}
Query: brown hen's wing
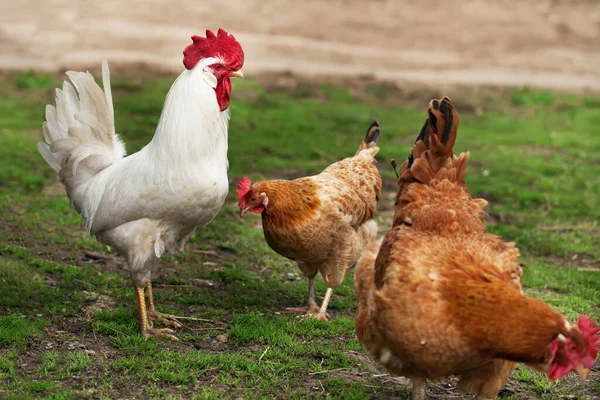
{"x":354,"y":184}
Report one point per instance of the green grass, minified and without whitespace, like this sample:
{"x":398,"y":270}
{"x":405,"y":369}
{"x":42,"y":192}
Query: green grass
{"x":67,"y":327}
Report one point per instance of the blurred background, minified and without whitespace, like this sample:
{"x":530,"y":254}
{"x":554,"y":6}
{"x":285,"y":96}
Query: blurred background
{"x":546,"y":43}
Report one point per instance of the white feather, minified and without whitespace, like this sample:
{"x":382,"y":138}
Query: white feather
{"x":159,"y":245}
{"x":79,"y":134}
{"x":50,"y":158}
{"x":210,"y":79}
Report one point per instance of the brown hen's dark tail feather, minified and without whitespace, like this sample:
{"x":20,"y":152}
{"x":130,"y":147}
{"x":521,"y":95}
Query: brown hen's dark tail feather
{"x":373,"y":133}
{"x":433,"y":149}
{"x":439,"y":131}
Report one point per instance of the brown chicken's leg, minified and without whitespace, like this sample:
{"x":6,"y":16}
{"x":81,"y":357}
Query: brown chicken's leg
{"x":153,"y":315}
{"x":418,"y":389}
{"x":312,"y":304}
{"x":145,"y":328}
{"x":322,"y":314}
{"x":312,"y":308}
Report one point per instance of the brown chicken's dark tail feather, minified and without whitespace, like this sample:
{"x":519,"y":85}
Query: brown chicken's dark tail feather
{"x":433,"y":148}
{"x":439,"y":131}
{"x":373,"y":133}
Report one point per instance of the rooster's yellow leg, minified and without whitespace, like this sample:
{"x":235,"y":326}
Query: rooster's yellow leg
{"x":153,"y":315}
{"x":141,"y":306}
{"x":145,"y":328}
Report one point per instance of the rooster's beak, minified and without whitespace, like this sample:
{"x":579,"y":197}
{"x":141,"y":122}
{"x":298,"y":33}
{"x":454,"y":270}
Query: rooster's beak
{"x":244,"y":211}
{"x":583,"y":372}
{"x":237,"y":74}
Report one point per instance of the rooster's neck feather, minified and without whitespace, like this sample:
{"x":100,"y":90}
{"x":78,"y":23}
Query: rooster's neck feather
{"x":191,"y":127}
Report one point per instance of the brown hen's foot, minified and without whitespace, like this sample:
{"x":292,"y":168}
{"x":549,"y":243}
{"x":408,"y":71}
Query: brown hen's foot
{"x":164,"y":333}
{"x":299,"y":310}
{"x":319,"y":315}
{"x":313,"y":309}
{"x":165,"y":319}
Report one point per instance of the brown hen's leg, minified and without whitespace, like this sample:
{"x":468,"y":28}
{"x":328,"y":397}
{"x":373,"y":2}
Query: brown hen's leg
{"x":312,"y":307}
{"x":312,"y":304}
{"x":153,"y":315}
{"x":322,"y":313}
{"x":145,"y":328}
{"x":418,"y":389}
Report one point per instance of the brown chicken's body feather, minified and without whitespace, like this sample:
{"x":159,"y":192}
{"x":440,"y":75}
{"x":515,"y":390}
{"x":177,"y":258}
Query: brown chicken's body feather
{"x":452,"y":308}
{"x":418,"y":308}
{"x":439,"y":295}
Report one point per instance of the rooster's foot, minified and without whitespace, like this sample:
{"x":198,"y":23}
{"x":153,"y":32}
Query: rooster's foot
{"x":165,"y":333}
{"x":165,"y":319}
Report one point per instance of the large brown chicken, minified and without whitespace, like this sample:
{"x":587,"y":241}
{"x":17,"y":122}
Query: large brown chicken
{"x":322,"y":222}
{"x":439,"y":295}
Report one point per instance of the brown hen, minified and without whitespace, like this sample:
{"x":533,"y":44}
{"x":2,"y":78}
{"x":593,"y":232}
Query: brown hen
{"x":440,"y":296}
{"x":322,"y":222}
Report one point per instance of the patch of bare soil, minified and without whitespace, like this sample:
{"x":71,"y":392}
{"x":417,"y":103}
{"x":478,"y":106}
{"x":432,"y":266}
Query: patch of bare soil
{"x":64,"y":335}
{"x":73,"y":334}
{"x":96,"y":302}
{"x":546,"y":43}
{"x":581,"y":262}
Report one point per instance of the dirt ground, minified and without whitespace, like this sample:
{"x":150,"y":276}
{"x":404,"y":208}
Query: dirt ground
{"x":541,"y":43}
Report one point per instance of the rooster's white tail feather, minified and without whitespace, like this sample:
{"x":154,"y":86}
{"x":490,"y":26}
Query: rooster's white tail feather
{"x":79,"y":132}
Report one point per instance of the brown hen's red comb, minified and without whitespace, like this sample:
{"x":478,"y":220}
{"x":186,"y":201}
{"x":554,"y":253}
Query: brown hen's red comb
{"x":243,"y":188}
{"x":590,"y":332}
{"x":222,"y":45}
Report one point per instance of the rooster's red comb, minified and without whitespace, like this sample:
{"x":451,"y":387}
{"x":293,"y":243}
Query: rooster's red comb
{"x":222,"y":45}
{"x":590,"y":333}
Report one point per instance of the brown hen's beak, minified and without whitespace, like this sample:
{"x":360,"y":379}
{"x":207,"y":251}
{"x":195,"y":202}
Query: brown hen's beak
{"x":244,"y":211}
{"x":583,"y":372}
{"x":237,"y":74}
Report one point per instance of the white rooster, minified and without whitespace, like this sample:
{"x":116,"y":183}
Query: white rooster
{"x":150,"y":202}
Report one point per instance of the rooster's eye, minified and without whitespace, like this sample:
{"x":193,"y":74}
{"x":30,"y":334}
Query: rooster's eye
{"x":218,"y":67}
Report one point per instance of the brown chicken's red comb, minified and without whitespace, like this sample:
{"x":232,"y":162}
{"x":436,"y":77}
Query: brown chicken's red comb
{"x":222,"y":45}
{"x":243,"y":188}
{"x":590,"y":333}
